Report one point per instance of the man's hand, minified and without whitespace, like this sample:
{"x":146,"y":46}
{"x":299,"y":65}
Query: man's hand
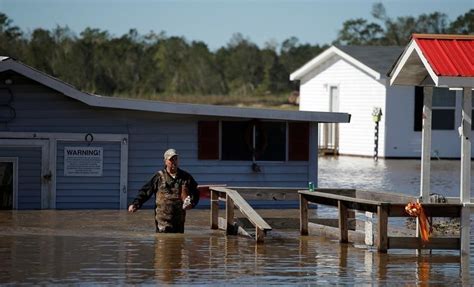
{"x":132,"y":208}
{"x":187,"y":203}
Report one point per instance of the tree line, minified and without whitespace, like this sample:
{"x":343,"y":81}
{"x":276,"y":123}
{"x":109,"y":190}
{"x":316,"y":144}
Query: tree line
{"x":149,"y":65}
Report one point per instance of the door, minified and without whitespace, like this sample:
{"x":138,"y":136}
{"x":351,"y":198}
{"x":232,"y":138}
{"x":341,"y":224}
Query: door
{"x":8,"y":183}
{"x":26,"y":161}
{"x":330,"y":138}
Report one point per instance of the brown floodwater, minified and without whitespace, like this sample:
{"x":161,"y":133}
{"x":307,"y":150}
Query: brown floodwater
{"x":113,"y":247}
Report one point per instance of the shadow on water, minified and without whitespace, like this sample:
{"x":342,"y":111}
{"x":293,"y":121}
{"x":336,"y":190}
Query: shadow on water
{"x":113,"y":247}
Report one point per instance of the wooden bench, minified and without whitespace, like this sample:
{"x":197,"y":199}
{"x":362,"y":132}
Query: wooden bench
{"x":346,"y":200}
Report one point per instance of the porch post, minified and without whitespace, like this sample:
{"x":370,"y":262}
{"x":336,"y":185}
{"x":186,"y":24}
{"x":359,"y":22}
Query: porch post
{"x":465,"y":192}
{"x":426,"y":145}
{"x":313,"y":153}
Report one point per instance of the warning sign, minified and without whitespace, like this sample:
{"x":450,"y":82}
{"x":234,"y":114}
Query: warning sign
{"x":83,"y":161}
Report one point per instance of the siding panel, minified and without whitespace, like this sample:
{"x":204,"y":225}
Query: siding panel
{"x":29,"y":175}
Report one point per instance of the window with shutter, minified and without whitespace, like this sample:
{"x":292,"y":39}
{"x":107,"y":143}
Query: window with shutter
{"x":298,"y":141}
{"x":208,"y":140}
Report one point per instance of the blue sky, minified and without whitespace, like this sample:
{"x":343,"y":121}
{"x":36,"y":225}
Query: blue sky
{"x":215,"y":21}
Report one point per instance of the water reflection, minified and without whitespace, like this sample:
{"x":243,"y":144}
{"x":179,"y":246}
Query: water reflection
{"x":171,"y":257}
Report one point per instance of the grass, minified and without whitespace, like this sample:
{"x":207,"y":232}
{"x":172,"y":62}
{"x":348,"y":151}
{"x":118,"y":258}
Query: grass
{"x":279,"y":101}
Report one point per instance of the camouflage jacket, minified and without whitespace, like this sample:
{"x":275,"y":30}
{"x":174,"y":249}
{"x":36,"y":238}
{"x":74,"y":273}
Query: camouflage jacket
{"x":169,"y":195}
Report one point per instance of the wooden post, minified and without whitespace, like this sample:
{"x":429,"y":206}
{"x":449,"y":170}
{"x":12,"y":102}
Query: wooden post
{"x":229,"y":212}
{"x":382,"y":238}
{"x":369,"y":228}
{"x":465,"y":192}
{"x":303,"y":215}
{"x":465,"y":230}
{"x":214,"y":209}
{"x":343,"y":222}
{"x":426,"y":144}
{"x":313,"y":153}
{"x":259,"y":235}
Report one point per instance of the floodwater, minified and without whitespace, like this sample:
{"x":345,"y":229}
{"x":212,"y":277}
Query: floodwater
{"x":114,"y":247}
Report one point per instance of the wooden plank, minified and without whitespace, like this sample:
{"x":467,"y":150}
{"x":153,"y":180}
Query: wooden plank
{"x":431,"y":210}
{"x":229,"y":214}
{"x":343,"y":226}
{"x":389,"y":197}
{"x":338,"y":191}
{"x":382,"y":241}
{"x":303,"y":215}
{"x":244,"y":207}
{"x":417,"y":243}
{"x":214,"y":209}
{"x":265,"y":193}
{"x":337,"y":197}
{"x":333,"y":232}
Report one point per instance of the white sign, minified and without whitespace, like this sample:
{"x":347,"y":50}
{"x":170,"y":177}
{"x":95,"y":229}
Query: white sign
{"x":83,"y":161}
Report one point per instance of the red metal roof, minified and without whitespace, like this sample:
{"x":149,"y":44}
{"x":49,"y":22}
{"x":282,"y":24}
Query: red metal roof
{"x":448,"y":55}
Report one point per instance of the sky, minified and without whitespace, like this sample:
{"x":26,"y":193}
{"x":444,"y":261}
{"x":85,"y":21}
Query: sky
{"x":215,"y":21}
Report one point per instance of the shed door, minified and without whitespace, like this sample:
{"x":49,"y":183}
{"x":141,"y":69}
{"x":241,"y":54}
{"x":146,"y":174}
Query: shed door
{"x":8,"y":179}
{"x":88,"y":175}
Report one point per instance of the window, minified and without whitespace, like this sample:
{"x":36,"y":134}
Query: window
{"x":270,"y":141}
{"x":443,"y":109}
{"x":253,"y":140}
{"x":236,"y":141}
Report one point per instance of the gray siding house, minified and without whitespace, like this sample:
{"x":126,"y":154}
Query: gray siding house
{"x":61,"y":148}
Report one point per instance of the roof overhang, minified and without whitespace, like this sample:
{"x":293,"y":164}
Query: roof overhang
{"x":326,"y":55}
{"x":413,"y":69}
{"x":7,"y":64}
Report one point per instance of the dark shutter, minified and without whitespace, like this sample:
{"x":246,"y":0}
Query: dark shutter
{"x":298,"y":141}
{"x":208,"y":140}
{"x":418,"y":117}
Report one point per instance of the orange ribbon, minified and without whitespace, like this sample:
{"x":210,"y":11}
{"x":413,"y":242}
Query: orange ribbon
{"x":415,"y":209}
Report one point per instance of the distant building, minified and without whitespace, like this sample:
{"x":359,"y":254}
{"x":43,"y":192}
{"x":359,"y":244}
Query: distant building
{"x":353,"y":79}
{"x":61,"y":148}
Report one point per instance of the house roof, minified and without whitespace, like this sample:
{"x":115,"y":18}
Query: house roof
{"x":438,"y":60}
{"x":7,"y":64}
{"x":374,"y":60}
{"x":379,"y":58}
{"x":448,"y":55}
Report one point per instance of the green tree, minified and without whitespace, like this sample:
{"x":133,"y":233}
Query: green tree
{"x":389,"y":31}
{"x":241,"y":65}
{"x":464,"y":24}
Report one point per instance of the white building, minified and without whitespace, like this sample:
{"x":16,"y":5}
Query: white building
{"x":353,"y":79}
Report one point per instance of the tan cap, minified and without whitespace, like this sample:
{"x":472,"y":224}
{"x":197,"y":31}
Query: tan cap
{"x":170,"y":153}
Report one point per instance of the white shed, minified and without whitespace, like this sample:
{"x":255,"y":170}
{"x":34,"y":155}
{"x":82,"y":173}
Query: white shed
{"x":353,"y":79}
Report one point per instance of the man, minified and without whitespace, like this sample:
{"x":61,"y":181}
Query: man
{"x":175,"y":192}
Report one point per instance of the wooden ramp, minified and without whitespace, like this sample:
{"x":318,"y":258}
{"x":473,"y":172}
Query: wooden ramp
{"x":233,"y":199}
